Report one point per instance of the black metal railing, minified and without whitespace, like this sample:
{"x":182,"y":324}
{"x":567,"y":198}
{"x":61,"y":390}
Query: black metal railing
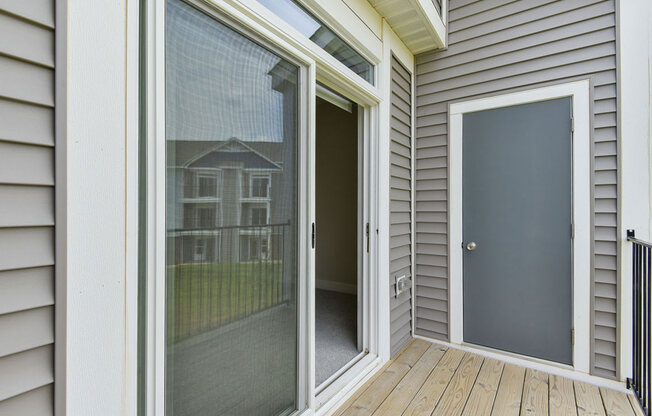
{"x":219,"y":275}
{"x":641,"y":272}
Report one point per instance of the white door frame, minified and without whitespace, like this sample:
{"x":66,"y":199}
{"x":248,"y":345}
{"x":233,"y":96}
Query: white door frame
{"x":581,"y":201}
{"x":254,"y":20}
{"x":339,"y":380}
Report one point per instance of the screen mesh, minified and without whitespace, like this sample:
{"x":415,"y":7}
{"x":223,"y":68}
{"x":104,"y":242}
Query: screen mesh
{"x":231,"y":219}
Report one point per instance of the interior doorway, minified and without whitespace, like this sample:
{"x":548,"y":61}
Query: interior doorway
{"x":338,"y":212}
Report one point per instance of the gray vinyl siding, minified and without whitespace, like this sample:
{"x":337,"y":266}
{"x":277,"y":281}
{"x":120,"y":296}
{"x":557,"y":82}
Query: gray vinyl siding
{"x":26,"y":207}
{"x":400,"y":240}
{"x":497,"y":47}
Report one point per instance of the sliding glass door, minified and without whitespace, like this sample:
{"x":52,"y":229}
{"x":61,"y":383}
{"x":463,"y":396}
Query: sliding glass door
{"x":231,"y":221}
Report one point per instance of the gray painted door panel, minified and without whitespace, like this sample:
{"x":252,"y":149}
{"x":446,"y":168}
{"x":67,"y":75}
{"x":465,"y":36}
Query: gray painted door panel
{"x":517,"y":208}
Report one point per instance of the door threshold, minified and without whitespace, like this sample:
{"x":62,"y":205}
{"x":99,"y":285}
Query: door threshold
{"x":336,"y":375}
{"x":534,"y":363}
{"x":347,"y":384}
{"x":516,"y":356}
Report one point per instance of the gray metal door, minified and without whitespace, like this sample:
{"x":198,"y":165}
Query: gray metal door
{"x":517,"y":229}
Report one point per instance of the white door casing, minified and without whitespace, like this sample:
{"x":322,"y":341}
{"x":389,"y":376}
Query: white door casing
{"x":581,"y":201}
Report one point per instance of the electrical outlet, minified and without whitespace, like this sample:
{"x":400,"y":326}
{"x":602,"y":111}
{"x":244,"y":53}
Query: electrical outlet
{"x":402,"y":284}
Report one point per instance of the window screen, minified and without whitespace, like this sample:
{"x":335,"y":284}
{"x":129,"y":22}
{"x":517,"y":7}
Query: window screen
{"x":231,"y":311}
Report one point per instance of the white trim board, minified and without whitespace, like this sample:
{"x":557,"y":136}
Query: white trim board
{"x":581,"y":201}
{"x":634,"y":65}
{"x":368,"y":295}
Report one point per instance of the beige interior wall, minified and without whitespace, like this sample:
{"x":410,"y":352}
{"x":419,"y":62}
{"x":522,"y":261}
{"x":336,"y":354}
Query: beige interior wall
{"x":337,"y":195}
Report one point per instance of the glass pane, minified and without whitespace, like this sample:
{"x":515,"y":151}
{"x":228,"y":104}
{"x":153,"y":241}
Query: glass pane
{"x":316,"y":31}
{"x":208,"y":186}
{"x":259,"y":187}
{"x":231,"y":118}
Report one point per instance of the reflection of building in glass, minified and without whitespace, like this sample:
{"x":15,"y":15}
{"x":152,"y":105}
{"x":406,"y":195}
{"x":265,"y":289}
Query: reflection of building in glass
{"x":229,"y":200}
{"x":227,"y":195}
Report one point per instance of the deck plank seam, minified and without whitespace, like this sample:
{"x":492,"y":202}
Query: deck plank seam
{"x":604,"y":405}
{"x":366,"y":386}
{"x":528,"y":371}
{"x":520,"y":405}
{"x":399,"y":381}
{"x":444,"y":389}
{"x":577,"y":405}
{"x":500,"y":380}
{"x":475,"y":380}
{"x":457,"y":368}
{"x":417,"y":390}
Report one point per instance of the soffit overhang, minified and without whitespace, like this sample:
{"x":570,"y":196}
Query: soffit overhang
{"x":416,"y":22}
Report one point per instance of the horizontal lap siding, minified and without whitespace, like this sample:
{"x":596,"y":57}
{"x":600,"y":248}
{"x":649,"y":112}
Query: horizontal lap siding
{"x":497,"y":47}
{"x":26,"y":207}
{"x":400,"y":261}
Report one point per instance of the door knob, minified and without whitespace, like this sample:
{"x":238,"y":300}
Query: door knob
{"x":471,"y":246}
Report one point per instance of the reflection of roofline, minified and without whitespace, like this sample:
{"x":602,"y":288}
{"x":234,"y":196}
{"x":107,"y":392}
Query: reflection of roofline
{"x":280,"y":73}
{"x":254,"y":170}
{"x":223,"y":144}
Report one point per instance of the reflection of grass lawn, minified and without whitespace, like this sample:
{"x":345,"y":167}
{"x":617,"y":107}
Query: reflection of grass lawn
{"x":205,"y":296}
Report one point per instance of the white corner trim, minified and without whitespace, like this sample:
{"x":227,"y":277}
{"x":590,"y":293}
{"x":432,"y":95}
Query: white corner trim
{"x":382,"y":202}
{"x":634,"y":152}
{"x":366,"y":13}
{"x":581,"y":200}
{"x":93,"y":133}
{"x":398,"y":49}
{"x":132,"y":120}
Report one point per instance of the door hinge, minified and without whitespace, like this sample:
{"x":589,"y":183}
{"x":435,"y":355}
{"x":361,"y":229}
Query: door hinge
{"x":572,"y":229}
{"x":367,"y":233}
{"x":573,"y":336}
{"x":313,"y":235}
{"x":572,"y":124}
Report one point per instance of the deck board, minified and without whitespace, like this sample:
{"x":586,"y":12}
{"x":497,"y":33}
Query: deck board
{"x":428,"y":396}
{"x":482,"y":396}
{"x":405,"y":391}
{"x":589,"y":401}
{"x":635,"y":405}
{"x":431,"y":379}
{"x":510,"y":392}
{"x":535,"y":394}
{"x":616,"y":404}
{"x":562,"y":396}
{"x":458,"y":390}
{"x":372,"y":398}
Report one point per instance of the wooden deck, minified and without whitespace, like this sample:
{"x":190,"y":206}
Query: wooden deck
{"x":429,"y":379}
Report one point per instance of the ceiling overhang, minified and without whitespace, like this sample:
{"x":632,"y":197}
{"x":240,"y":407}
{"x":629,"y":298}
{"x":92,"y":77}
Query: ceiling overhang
{"x":416,"y":22}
